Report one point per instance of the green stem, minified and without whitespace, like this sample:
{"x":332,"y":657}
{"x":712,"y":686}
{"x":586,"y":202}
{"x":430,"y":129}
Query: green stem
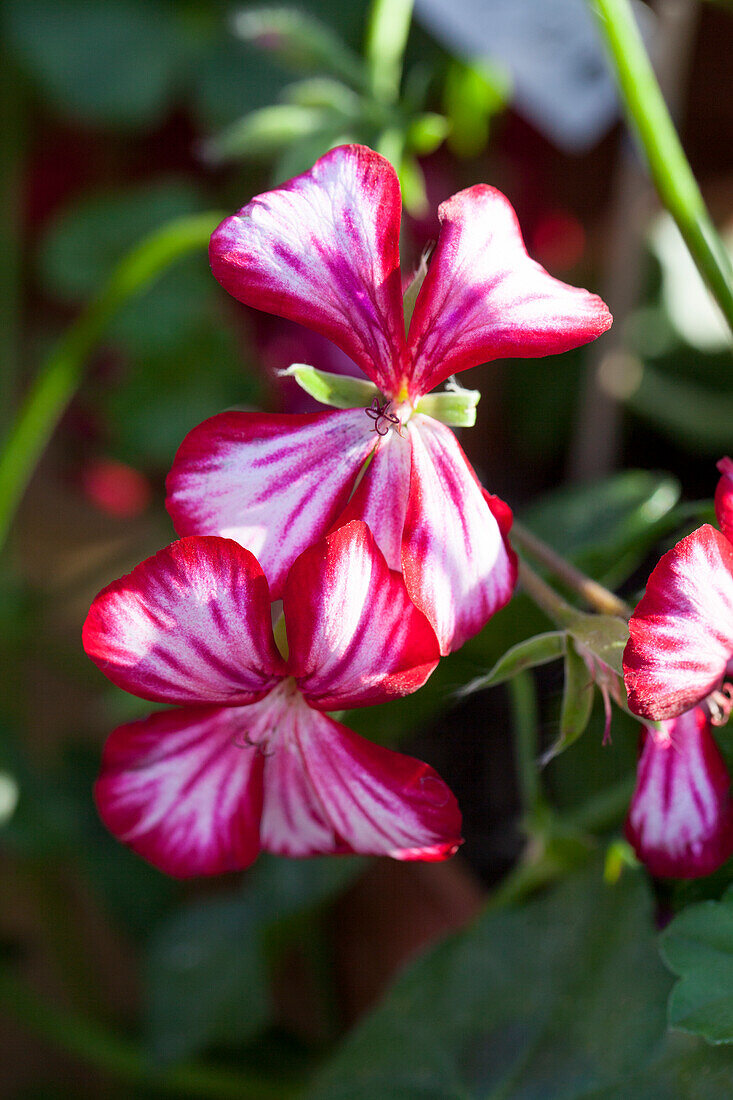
{"x":60,"y":376}
{"x":123,"y":1059}
{"x":389,"y":27}
{"x":648,"y":116}
{"x":555,"y":607}
{"x":594,"y":594}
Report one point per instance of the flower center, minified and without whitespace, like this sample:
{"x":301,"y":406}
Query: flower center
{"x":387,"y":415}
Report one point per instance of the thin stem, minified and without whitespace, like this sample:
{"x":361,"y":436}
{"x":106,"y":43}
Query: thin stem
{"x":554,"y":606}
{"x":63,"y":370}
{"x":523,"y":700}
{"x":123,"y":1059}
{"x":594,"y":594}
{"x":648,"y":116}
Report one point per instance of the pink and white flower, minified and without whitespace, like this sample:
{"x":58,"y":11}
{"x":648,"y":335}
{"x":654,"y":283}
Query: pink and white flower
{"x":250,"y":760}
{"x":322,"y":250}
{"x":681,"y":633}
{"x":680,"y":822}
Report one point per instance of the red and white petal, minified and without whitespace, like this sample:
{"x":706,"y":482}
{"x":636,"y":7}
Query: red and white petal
{"x":484,"y":298}
{"x":326,"y":790}
{"x":380,"y":498}
{"x":190,"y":625}
{"x":681,"y":633}
{"x":456,"y":559}
{"x":273,"y":483}
{"x":323,"y":250}
{"x":184,"y":790}
{"x":724,"y":498}
{"x":680,"y":822}
{"x":354,"y":636}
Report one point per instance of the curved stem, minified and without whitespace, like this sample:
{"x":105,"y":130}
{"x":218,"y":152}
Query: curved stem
{"x":594,"y":594}
{"x":648,"y":116}
{"x":123,"y":1059}
{"x":63,"y":370}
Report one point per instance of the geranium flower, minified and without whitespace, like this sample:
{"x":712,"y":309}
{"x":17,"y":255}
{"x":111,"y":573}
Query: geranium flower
{"x":680,"y":822}
{"x":681,"y":633}
{"x":322,"y":250}
{"x":250,"y":760}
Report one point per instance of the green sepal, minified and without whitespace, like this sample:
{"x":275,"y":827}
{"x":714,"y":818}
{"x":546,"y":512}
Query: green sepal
{"x":456,"y":407}
{"x":577,"y":701}
{"x":337,"y":390}
{"x":539,"y":650}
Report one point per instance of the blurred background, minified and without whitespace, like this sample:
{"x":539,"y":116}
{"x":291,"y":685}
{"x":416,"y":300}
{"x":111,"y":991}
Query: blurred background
{"x":121,"y":117}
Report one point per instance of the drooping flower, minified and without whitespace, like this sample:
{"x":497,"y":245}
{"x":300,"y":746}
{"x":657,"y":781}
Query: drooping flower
{"x":322,"y":250}
{"x":250,"y":760}
{"x":680,"y":822}
{"x":681,"y":633}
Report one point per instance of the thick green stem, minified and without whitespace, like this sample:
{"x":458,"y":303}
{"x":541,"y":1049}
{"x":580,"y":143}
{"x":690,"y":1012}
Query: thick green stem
{"x":389,"y":27}
{"x":60,"y":376}
{"x":123,"y":1059}
{"x":648,"y":116}
{"x":594,"y":594}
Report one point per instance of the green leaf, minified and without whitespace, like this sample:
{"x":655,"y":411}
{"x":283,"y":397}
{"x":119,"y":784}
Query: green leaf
{"x":695,"y":415}
{"x":113,"y":63}
{"x":207,"y":968}
{"x":562,"y":999}
{"x":471,"y":97}
{"x":604,"y":637}
{"x":338,"y":390}
{"x":698,"y":947}
{"x":426,"y":133}
{"x":539,"y":650}
{"x":299,"y":42}
{"x":605,"y":527}
{"x":577,"y":702}
{"x":8,"y":797}
{"x":262,"y":133}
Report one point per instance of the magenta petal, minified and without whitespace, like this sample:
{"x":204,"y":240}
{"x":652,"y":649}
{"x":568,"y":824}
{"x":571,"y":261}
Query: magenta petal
{"x":184,"y":790}
{"x":680,"y":821}
{"x":484,"y":298}
{"x":457,"y":562}
{"x":380,"y":498}
{"x":323,"y":250}
{"x":681,"y":633}
{"x":354,"y":636}
{"x":275,"y":484}
{"x":326,"y":790}
{"x":724,"y":498}
{"x":189,"y":625}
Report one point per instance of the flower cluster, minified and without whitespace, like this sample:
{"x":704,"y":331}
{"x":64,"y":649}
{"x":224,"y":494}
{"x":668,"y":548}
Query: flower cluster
{"x":368,"y":522}
{"x":679,"y":652}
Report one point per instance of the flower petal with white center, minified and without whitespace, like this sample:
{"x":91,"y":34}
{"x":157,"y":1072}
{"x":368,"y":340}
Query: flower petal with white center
{"x":680,"y":822}
{"x":354,"y":636}
{"x":483,"y":297}
{"x":681,"y":633}
{"x":184,"y":790}
{"x":457,"y":562}
{"x":326,"y":790}
{"x":189,"y":625}
{"x":323,"y":250}
{"x":273,"y":483}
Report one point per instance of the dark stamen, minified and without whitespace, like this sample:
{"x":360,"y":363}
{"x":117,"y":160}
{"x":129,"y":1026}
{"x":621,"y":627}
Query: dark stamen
{"x":378,"y":413}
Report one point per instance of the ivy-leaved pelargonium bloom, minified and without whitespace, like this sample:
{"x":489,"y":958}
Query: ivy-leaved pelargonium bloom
{"x":680,"y":647}
{"x":251,"y":760}
{"x":322,"y":250}
{"x":680,"y":821}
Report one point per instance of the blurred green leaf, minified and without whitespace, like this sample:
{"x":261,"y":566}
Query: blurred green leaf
{"x":698,"y":947}
{"x":207,"y":969}
{"x":562,"y":999}
{"x":426,"y":133}
{"x":267,"y":131}
{"x":8,"y":797}
{"x":299,"y":41}
{"x":694,"y":415}
{"x":472,"y":96}
{"x":320,"y":91}
{"x":386,"y":39}
{"x":112,"y":63}
{"x":607,"y":526}
{"x":539,"y":650}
